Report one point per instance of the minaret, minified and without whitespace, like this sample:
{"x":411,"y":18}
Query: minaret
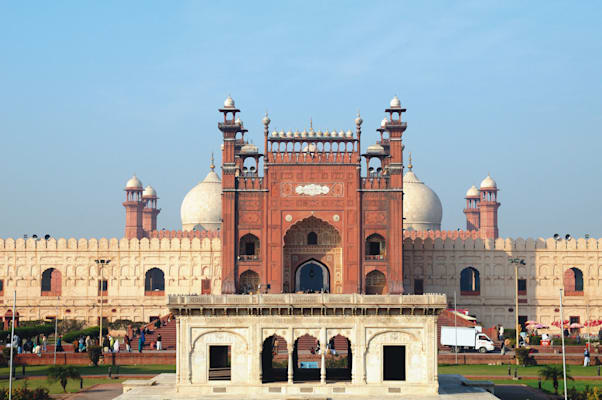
{"x":488,"y":206}
{"x":396,"y":127}
{"x":133,"y":209}
{"x":472,"y":209}
{"x":229,"y":129}
{"x":150,"y":212}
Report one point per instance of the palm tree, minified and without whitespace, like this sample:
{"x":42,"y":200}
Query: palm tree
{"x":553,"y":372}
{"x":62,"y":374}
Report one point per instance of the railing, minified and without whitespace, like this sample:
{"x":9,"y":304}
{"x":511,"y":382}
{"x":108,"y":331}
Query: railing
{"x":376,"y":182}
{"x":248,"y":257}
{"x":313,"y":157}
{"x":250,"y":182}
{"x":375,"y":257}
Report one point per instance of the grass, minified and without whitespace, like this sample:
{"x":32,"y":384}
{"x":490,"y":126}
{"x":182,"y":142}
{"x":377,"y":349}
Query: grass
{"x":547,"y":385}
{"x":502,"y":370}
{"x":55,"y":388}
{"x":42,"y":370}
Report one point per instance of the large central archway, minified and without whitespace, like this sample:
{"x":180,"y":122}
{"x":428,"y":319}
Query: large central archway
{"x":312,"y":276}
{"x":312,"y":257}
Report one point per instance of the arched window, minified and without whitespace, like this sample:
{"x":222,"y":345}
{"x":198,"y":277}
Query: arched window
{"x":375,"y":282}
{"x":312,"y":238}
{"x":375,"y":247}
{"x":154,"y":282}
{"x":470,"y":284}
{"x":573,"y":282}
{"x":51,"y":282}
{"x":249,"y":248}
{"x":248,"y":282}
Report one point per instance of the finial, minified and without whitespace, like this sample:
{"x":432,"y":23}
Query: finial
{"x":311,"y":124}
{"x":358,"y":120}
{"x":410,"y":166}
{"x":266,"y":120}
{"x":212,"y":165}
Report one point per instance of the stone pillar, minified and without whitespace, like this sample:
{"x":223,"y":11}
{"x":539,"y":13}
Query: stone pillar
{"x":290,"y":349}
{"x":322,"y":355}
{"x":260,"y":367}
{"x":178,"y":349}
{"x":363,"y":351}
{"x":355,"y":363}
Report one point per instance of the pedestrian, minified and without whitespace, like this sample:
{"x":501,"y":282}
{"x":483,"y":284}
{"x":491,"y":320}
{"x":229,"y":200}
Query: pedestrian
{"x":59,"y":343}
{"x":140,"y":343}
{"x":159,"y":342}
{"x":44,"y":343}
{"x":116,"y":346}
{"x":501,"y":332}
{"x":88,"y":342}
{"x":128,"y":346}
{"x":105,"y":345}
{"x":82,"y":345}
{"x":586,"y":357}
{"x":111,"y":342}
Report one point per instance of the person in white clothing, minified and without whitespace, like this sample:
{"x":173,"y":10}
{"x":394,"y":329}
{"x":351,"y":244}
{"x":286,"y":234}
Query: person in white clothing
{"x":116,"y":346}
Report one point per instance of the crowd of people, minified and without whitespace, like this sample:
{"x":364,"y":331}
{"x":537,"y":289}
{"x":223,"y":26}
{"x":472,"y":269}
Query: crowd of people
{"x":36,"y":345}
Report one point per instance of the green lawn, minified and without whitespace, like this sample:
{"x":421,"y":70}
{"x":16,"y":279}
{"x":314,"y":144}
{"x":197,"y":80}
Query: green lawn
{"x":547,"y":385}
{"x":54,"y":388}
{"x":41,"y":370}
{"x":502,"y":370}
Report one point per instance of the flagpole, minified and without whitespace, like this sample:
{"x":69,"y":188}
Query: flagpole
{"x":562,"y":338}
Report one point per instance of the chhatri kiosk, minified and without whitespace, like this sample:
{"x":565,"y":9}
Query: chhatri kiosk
{"x":312,"y":277}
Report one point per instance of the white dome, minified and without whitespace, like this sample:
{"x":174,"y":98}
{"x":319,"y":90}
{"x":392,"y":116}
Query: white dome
{"x":375,"y":149}
{"x":249,"y":148}
{"x":202,"y":206}
{"x":422,"y":208}
{"x":133,"y":183}
{"x":395,"y":103}
{"x":473,"y":192}
{"x":488,"y":183}
{"x":229,"y":102}
{"x":349,"y":134}
{"x":149,"y":192}
{"x":384,"y":122}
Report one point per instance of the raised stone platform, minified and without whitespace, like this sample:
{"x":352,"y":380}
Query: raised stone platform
{"x":163,"y":387}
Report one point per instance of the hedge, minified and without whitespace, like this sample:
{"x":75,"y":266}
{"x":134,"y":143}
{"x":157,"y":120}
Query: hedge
{"x":92,"y":332}
{"x":29,"y":331}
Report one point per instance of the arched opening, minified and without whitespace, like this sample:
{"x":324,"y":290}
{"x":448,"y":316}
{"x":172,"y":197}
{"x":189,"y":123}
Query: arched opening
{"x":248,"y":282}
{"x":306,"y":359}
{"x":298,"y":250}
{"x":312,"y":277}
{"x":338,"y":359}
{"x":51,"y":282}
{"x":375,"y":282}
{"x":274,"y":360}
{"x":154,"y":282}
{"x":470,"y":284}
{"x":249,"y":248}
{"x":376,"y":247}
{"x":573,"y":282}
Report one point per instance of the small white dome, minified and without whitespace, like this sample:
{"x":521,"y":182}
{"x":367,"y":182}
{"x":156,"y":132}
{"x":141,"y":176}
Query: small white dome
{"x":384,"y":122}
{"x":341,"y":133}
{"x":311,"y":133}
{"x":289,"y":134}
{"x":319,"y":134}
{"x":304,"y":133}
{"x":473,"y":192}
{"x":249,"y":148}
{"x":133,"y":183}
{"x":229,"y":102}
{"x":327,"y":133}
{"x":274,"y":134}
{"x":375,"y":149}
{"x":238,"y":121}
{"x":488,"y":183}
{"x":296,"y":134}
{"x":395,"y":103}
{"x":281,"y":134}
{"x":422,"y":208}
{"x":349,"y":134}
{"x":202,"y":205}
{"x":149,"y":192}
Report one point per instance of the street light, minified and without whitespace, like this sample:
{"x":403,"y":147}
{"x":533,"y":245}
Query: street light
{"x":516,"y":261}
{"x":101,"y":263}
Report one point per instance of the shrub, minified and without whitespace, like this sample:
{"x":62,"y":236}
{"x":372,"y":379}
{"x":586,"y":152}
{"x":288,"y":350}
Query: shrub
{"x":94,"y":353}
{"x":26,"y":394}
{"x":69,"y":325}
{"x":26,"y":332}
{"x":61,"y":374}
{"x":120,"y":324}
{"x":92,"y":332}
{"x":553,"y":373}
{"x":510,"y":333}
{"x":523,"y":356}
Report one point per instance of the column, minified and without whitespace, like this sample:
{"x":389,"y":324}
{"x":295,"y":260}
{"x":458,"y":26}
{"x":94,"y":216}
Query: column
{"x":260,"y":366}
{"x":290,"y":348}
{"x":322,"y":355}
{"x":355,"y":364}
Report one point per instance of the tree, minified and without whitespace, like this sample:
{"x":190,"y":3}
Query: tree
{"x":61,"y":374}
{"x":94,"y":353}
{"x":553,"y":372}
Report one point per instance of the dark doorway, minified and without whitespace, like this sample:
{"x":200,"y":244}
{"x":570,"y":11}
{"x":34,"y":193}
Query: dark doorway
{"x":338,"y":359}
{"x":306,"y":359}
{"x":394,"y":363}
{"x":311,"y":278}
{"x":219,"y":363}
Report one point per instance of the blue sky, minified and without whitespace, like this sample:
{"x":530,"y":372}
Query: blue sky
{"x":92,"y":92}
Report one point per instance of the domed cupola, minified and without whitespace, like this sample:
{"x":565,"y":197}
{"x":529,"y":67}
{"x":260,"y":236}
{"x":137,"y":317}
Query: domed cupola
{"x":202,"y":207}
{"x":488,"y":182}
{"x":422,"y":208}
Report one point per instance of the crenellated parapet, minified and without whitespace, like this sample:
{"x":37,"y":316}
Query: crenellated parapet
{"x":471,"y":240}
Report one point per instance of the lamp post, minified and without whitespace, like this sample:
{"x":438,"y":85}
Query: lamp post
{"x":101,"y":263}
{"x":516,"y":261}
{"x":562,"y":338}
